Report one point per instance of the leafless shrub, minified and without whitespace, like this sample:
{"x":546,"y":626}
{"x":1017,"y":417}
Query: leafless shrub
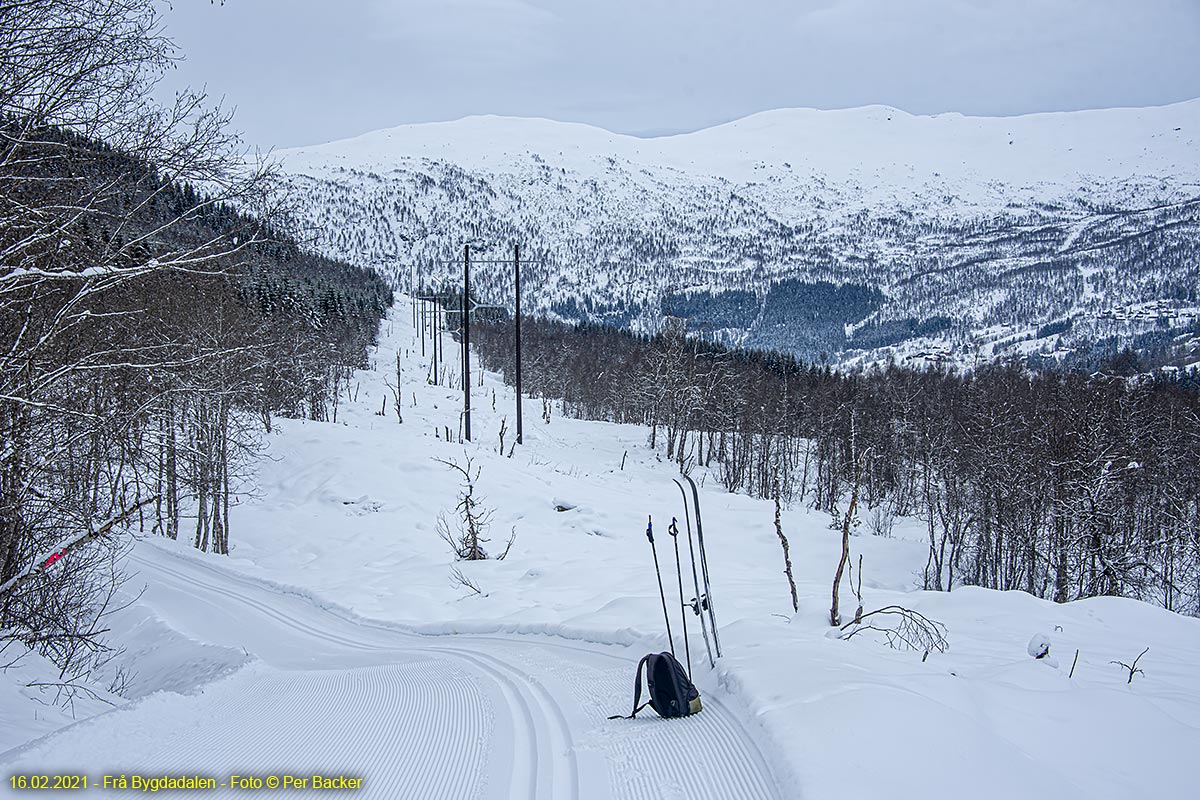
{"x":881,"y":521}
{"x":902,"y":629}
{"x":1133,"y":668}
{"x":465,"y":534}
{"x":121,"y":679}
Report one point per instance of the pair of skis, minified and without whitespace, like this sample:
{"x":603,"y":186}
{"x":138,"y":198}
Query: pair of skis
{"x":701,"y":604}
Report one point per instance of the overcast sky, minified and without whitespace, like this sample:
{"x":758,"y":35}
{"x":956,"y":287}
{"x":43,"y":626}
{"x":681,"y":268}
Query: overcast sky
{"x":309,"y":71}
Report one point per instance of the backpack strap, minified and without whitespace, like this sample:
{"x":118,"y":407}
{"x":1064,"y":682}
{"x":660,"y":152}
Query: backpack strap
{"x":637,"y":691}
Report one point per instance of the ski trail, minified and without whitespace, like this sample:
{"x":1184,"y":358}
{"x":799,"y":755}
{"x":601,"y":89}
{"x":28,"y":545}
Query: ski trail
{"x":427,"y":716}
{"x":708,"y":755}
{"x":532,"y":761}
{"x":563,"y":779}
{"x":600,"y":682}
{"x":463,"y":716}
{"x":306,"y":723}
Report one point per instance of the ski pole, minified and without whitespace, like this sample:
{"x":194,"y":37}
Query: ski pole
{"x":701,"y":601}
{"x":674,"y":531}
{"x":661,"y":593}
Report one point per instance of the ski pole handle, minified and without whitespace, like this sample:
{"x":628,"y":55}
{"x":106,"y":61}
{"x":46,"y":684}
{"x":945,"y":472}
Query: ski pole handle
{"x":650,"y":529}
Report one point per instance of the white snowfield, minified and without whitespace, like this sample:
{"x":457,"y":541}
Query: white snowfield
{"x":876,"y":154}
{"x":334,"y":642}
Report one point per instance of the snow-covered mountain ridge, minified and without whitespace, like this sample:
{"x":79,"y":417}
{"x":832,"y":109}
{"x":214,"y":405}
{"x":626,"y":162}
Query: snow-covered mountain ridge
{"x":1049,"y":148}
{"x":943,"y":234}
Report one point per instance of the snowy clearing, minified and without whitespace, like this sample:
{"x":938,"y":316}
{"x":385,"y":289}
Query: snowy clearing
{"x":333,"y":640}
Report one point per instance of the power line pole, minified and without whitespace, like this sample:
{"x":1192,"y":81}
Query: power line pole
{"x":517,"y":319}
{"x":468,"y":307}
{"x":466,"y":340}
{"x":437,"y":336}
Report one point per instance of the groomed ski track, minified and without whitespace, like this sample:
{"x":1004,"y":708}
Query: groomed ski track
{"x":455,"y":716}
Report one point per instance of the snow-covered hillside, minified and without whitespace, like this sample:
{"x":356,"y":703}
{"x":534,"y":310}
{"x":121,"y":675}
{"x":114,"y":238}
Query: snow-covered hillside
{"x":890,"y":153}
{"x":336,"y":637}
{"x":966,"y":235}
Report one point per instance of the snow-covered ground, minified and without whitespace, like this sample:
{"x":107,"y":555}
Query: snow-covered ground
{"x":885,"y":152}
{"x":335,"y":640}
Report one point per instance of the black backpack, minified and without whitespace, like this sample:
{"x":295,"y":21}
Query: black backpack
{"x":671,"y":691}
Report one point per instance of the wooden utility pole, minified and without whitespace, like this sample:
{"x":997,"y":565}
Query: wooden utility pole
{"x":466,"y":341}
{"x":517,"y":320}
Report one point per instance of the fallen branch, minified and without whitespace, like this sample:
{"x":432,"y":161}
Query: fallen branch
{"x":459,"y":579}
{"x":508,"y":546}
{"x":47,"y":559}
{"x":70,"y":688}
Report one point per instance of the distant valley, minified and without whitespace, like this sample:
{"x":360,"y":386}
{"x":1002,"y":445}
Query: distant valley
{"x":853,"y":237}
